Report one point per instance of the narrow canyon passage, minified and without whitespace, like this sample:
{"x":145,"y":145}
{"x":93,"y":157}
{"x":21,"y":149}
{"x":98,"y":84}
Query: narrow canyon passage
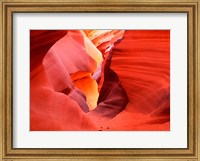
{"x":99,"y":80}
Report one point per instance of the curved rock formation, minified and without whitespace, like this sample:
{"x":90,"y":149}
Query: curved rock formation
{"x":100,"y":80}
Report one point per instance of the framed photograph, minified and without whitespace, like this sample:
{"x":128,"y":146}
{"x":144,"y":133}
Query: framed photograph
{"x":100,"y":80}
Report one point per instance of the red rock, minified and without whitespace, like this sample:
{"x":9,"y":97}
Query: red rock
{"x":132,"y":70}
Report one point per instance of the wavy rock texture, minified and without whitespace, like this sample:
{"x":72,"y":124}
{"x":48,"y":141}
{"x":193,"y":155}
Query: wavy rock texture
{"x":100,"y":80}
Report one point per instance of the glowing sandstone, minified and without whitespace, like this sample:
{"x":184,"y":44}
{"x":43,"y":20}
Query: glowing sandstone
{"x":100,"y":80}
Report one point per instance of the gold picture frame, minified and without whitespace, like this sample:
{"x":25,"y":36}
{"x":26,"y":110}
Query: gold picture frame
{"x":191,"y":7}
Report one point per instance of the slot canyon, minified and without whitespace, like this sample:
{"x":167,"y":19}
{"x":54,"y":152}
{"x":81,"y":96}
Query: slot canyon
{"x":99,"y":80}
